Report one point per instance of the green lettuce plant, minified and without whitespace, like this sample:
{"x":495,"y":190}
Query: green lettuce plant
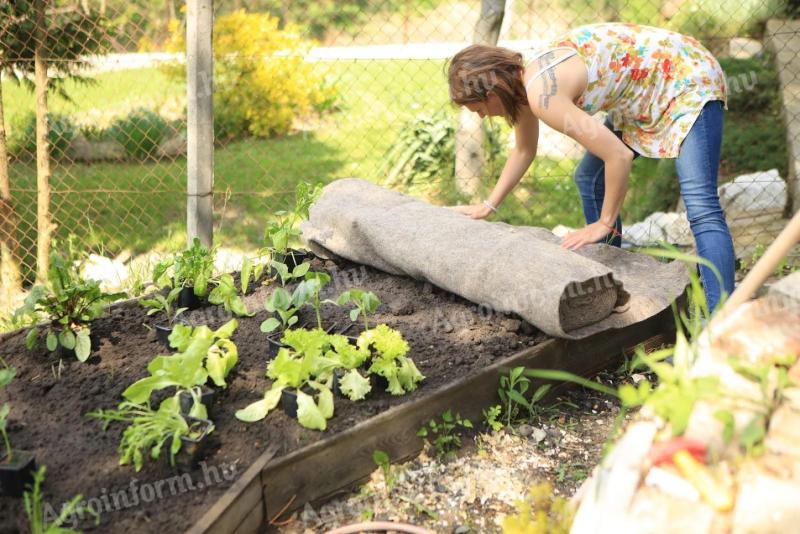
{"x":202,"y":354}
{"x":69,"y":302}
{"x":225,"y":293}
{"x":389,"y":358}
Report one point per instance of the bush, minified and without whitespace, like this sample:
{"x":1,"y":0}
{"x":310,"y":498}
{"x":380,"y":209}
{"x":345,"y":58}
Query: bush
{"x":141,"y":132}
{"x":752,"y":84}
{"x":262,"y":82}
{"x":61,"y":131}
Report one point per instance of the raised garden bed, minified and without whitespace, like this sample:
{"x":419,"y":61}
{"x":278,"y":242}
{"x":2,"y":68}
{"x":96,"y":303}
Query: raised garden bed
{"x":252,"y":471}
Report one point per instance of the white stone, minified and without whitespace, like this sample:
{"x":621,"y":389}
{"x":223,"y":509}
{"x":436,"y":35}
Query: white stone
{"x":754,"y":194}
{"x":561,"y":230}
{"x":743,"y":48}
{"x":111,"y":274}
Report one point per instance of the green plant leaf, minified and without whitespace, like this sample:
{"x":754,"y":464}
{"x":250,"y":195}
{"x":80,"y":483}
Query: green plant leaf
{"x":51,"y":340}
{"x":354,"y":385}
{"x":259,"y":409}
{"x":247,"y":269}
{"x":270,"y":325}
{"x":83,"y":345}
{"x":308,"y":413}
{"x":67,"y":339}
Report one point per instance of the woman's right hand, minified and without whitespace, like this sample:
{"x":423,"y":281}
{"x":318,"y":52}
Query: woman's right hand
{"x":476,"y":211}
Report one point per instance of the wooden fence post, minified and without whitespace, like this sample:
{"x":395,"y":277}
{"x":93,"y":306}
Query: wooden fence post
{"x":200,"y":121}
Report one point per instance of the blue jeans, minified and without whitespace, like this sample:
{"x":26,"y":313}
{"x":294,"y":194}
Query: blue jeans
{"x":697,"y":166}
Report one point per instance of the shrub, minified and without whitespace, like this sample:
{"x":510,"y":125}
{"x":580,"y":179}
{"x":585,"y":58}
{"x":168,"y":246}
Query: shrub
{"x":752,"y":84}
{"x":61,"y":131}
{"x":262,"y":81}
{"x":140,"y":133}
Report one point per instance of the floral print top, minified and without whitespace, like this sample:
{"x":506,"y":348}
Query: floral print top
{"x":652,"y":82}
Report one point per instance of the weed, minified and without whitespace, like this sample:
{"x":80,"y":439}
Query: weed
{"x":446,"y":434}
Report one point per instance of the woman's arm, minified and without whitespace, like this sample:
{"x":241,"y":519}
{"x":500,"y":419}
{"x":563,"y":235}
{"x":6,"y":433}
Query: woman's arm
{"x":526,"y":139}
{"x":560,"y":113}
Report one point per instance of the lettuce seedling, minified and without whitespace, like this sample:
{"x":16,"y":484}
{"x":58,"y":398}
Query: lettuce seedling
{"x":161,"y":304}
{"x":38,"y":519}
{"x":249,"y":267}
{"x":70,"y":303}
{"x":148,"y":429}
{"x":202,"y":354}
{"x":193,"y":268}
{"x":390,"y":360}
{"x":365,"y":302}
{"x":225,"y":293}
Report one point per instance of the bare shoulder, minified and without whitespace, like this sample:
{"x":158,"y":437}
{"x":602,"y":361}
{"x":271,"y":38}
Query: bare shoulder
{"x":568,"y":78}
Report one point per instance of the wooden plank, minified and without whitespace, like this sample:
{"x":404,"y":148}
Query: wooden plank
{"x":322,"y":469}
{"x":236,"y":505}
{"x":254,"y":522}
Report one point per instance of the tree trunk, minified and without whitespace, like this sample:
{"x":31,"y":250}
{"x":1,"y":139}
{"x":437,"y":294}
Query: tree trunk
{"x":44,"y":225}
{"x":469,"y":138}
{"x":10,"y":276}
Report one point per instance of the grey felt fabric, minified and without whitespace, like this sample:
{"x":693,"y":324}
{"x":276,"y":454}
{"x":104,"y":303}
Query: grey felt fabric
{"x":508,"y":268}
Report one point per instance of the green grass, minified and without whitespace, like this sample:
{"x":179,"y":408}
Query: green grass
{"x":141,"y":206}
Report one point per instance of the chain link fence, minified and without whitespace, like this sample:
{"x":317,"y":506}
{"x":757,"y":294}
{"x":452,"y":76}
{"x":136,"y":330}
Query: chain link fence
{"x":318,"y":90}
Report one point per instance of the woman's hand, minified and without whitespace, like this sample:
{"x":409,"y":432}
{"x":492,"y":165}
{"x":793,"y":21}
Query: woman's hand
{"x":589,"y":234}
{"x":476,"y":211}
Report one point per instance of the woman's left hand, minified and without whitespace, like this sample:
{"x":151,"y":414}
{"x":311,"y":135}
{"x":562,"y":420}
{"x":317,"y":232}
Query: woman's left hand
{"x":476,"y":211}
{"x":591,"y":233}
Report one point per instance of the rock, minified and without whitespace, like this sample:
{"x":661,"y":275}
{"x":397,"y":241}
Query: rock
{"x":525,"y":430}
{"x":561,"y":230}
{"x":743,"y":48}
{"x":659,"y":226}
{"x":401,"y":307}
{"x":82,"y":149}
{"x":787,"y":290}
{"x":174,"y":146}
{"x":462,"y":529}
{"x":111,"y":274}
{"x":761,"y":194}
{"x":766,"y":503}
{"x":539,"y":435}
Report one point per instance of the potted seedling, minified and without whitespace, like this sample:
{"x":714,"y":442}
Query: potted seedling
{"x":389,"y":359}
{"x":285,"y":306}
{"x":151,"y":431}
{"x":164,"y":305}
{"x":364,"y":302}
{"x":281,"y":232}
{"x":225,"y":293}
{"x":16,"y":467}
{"x":69,"y":303}
{"x":203,"y":354}
{"x":287,"y":274}
{"x":313,"y":284}
{"x":252,"y":269}
{"x":192,"y":271}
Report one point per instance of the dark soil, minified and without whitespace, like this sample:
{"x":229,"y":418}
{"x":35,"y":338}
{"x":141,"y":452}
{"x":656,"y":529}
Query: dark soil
{"x":449,"y":338}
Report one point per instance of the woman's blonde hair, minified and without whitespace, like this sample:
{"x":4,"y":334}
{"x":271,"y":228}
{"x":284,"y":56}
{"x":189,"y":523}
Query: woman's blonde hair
{"x":478,"y":69}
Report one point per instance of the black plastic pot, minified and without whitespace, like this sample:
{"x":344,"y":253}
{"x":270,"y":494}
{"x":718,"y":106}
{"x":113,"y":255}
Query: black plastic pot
{"x":293,"y":257}
{"x":274,"y":344}
{"x":193,"y":449}
{"x":163,"y":330}
{"x":289,"y":400}
{"x":187,"y":299}
{"x":16,"y":474}
{"x":206,"y":398}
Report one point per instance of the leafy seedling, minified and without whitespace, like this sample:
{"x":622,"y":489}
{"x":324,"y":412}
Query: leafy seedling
{"x":6,"y":376}
{"x":512,"y":394}
{"x":225,"y":293}
{"x":314,"y":282}
{"x":37,"y":519}
{"x":193,"y":268}
{"x":286,"y":275}
{"x":160,"y":304}
{"x":286,"y":306}
{"x":445,"y":434}
{"x":69,"y":303}
{"x":389,"y":358}
{"x":365,"y":302}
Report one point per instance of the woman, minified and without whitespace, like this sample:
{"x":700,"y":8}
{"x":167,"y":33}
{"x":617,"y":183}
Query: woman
{"x":664,"y":94}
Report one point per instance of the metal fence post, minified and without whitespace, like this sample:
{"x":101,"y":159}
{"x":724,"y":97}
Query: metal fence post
{"x":200,"y":121}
